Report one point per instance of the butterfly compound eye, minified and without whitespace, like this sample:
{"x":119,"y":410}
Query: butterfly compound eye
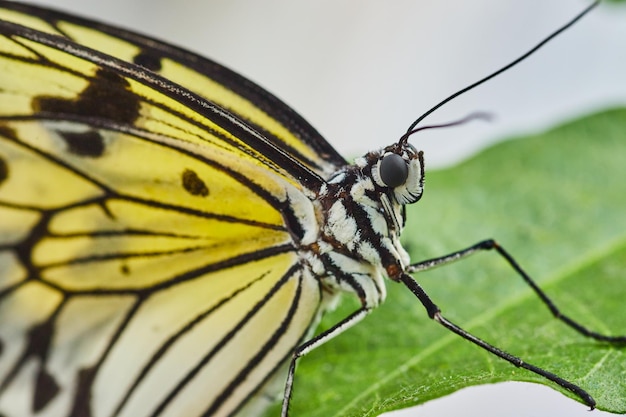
{"x":393,"y":170}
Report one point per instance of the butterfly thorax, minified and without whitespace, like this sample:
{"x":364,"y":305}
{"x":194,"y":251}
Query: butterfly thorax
{"x":363,"y":218}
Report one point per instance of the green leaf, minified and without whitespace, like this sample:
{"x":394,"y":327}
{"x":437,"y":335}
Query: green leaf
{"x":557,"y":203}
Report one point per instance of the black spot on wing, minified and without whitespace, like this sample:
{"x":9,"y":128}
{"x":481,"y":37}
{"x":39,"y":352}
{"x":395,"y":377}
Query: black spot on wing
{"x":292,"y":221}
{"x":39,"y":340}
{"x":107,"y":96}
{"x":46,"y":388}
{"x":4,"y":166}
{"x":4,"y":170}
{"x":193,"y":184}
{"x":89,"y":143}
{"x":148,"y":61}
{"x":81,"y":406}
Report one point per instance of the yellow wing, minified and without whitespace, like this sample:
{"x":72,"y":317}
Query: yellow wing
{"x":148,"y":236}
{"x":249,"y":102}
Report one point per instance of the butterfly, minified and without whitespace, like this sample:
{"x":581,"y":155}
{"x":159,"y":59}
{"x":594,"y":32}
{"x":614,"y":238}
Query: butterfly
{"x":172,"y":233}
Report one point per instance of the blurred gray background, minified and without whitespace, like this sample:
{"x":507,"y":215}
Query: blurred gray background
{"x":361,"y":72}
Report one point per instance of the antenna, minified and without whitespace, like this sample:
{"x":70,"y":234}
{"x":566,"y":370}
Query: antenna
{"x":404,"y":138}
{"x":468,"y":118}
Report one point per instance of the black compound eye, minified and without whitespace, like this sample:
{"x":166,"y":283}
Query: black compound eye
{"x":393,"y":170}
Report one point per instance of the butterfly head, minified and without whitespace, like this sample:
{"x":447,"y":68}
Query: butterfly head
{"x":400,"y":168}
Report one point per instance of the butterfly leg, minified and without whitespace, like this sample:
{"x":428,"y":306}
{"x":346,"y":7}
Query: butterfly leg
{"x":316,"y":341}
{"x":435,"y":314}
{"x":491,"y":244}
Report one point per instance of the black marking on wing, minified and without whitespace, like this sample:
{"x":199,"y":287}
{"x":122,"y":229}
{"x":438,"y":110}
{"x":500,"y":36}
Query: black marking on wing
{"x":81,"y":406}
{"x":112,"y":194}
{"x":272,"y":154}
{"x":294,"y":226}
{"x":148,"y":60}
{"x":4,"y":166}
{"x":273,"y":341}
{"x":6,"y":131}
{"x":152,"y":49}
{"x":89,"y":143}
{"x":4,"y":170}
{"x":39,"y":338}
{"x":125,"y":269}
{"x":107,"y":96}
{"x":164,"y":348}
{"x":37,"y":347}
{"x":110,"y":86}
{"x":222,"y":343}
{"x":193,"y":184}
{"x":46,"y":387}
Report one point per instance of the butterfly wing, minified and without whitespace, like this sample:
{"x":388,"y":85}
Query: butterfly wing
{"x":219,"y":85}
{"x":148,"y":242}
